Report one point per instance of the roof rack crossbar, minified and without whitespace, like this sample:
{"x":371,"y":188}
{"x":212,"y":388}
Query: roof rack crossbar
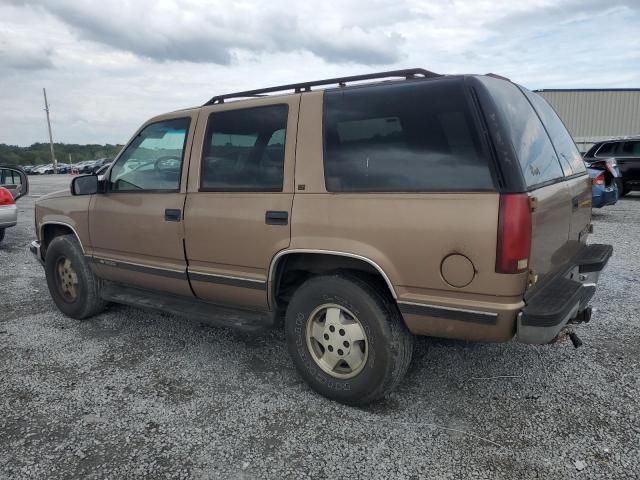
{"x":341,"y":81}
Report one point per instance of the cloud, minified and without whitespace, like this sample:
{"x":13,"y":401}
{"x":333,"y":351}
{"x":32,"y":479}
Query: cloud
{"x":18,"y":51}
{"x":108,"y":66}
{"x":13,"y":58}
{"x":213,"y":32}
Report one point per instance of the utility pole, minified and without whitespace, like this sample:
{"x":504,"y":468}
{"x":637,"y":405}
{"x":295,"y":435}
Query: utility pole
{"x":46,"y":109}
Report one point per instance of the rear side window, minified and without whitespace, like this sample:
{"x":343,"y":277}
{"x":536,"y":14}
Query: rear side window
{"x":606,"y":149}
{"x":560,"y":137}
{"x":404,"y":137}
{"x":244,"y":150}
{"x":630,"y":149}
{"x":535,"y":152}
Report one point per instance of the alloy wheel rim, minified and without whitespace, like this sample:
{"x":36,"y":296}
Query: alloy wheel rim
{"x":337,"y":341}
{"x":67,"y":279}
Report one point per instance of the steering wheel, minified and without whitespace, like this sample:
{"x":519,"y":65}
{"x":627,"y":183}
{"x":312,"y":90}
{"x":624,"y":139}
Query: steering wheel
{"x":165,"y":163}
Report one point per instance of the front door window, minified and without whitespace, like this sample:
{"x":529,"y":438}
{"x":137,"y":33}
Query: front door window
{"x":153,"y":160}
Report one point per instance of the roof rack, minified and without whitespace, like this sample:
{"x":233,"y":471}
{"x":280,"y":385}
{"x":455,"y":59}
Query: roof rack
{"x":341,"y":81}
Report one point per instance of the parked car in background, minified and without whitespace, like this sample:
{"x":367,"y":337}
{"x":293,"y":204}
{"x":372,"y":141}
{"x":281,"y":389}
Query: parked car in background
{"x":604,"y":189}
{"x":14,"y":184}
{"x":624,"y":153}
{"x":86,"y":166}
{"x":63,"y":168}
{"x":46,"y":169}
{"x":27,"y":169}
{"x":361,"y":215}
{"x":101,"y":163}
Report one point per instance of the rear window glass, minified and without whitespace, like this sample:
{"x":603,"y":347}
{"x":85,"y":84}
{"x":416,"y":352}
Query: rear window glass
{"x":535,"y":152}
{"x":631,"y":149}
{"x":560,"y":137}
{"x":404,"y":137}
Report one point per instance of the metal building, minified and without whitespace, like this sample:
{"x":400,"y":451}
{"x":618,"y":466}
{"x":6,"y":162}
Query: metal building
{"x":592,"y":115}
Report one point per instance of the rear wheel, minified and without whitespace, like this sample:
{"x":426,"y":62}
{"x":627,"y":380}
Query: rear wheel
{"x":346,"y":339}
{"x":72,"y":284}
{"x":1,"y":234}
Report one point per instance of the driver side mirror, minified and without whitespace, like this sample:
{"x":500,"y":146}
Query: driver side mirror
{"x":84,"y":185}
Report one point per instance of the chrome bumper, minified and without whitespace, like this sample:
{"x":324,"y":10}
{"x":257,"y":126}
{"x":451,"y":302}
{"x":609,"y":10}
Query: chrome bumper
{"x":35,"y":249}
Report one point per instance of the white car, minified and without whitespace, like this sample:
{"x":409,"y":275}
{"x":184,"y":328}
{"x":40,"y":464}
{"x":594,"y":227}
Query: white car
{"x":14,"y":184}
{"x":42,"y":169}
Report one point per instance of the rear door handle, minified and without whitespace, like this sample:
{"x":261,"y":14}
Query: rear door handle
{"x":276,"y":217}
{"x":172,"y":215}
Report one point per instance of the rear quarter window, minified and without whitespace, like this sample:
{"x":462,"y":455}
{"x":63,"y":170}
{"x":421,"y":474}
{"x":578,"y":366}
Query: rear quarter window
{"x":606,"y":149}
{"x":404,"y":137}
{"x":560,"y":137}
{"x":536,"y":155}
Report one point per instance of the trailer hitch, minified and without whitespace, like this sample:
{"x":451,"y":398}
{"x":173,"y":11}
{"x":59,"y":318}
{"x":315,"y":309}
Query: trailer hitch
{"x":583,"y":316}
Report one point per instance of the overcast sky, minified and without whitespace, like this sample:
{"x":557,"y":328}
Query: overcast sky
{"x":109,"y":65}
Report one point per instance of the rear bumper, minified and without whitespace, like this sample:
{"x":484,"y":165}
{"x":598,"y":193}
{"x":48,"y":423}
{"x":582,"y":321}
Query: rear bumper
{"x":602,"y":196}
{"x":8,"y":216}
{"x":552,"y":305}
{"x":35,"y":249}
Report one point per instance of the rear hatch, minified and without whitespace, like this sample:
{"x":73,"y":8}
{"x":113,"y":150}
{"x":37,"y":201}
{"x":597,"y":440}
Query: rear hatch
{"x":538,"y":157}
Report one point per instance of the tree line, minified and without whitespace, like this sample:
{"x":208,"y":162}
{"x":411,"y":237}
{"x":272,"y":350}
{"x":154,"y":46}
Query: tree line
{"x":39,"y":153}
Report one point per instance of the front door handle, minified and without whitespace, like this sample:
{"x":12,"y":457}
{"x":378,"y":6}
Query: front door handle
{"x":276,"y":217}
{"x":172,"y":215}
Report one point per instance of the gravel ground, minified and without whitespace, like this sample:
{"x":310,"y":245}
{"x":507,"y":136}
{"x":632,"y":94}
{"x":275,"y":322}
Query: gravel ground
{"x":136,"y":393}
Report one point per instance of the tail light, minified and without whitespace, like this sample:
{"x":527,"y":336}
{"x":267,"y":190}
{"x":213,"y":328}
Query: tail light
{"x":5,"y":197}
{"x":599,"y":180}
{"x":514,"y":233}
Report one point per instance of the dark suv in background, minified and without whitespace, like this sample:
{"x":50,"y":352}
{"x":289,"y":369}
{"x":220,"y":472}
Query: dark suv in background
{"x":626,"y":153}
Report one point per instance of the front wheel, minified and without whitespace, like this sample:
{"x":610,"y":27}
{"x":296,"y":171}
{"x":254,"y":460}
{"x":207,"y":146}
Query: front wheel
{"x":346,"y":339}
{"x":72,"y":284}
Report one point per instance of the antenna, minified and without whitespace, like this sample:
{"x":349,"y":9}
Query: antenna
{"x":53,"y":156}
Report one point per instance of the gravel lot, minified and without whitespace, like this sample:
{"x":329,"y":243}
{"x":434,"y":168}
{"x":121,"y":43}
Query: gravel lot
{"x":136,"y":393}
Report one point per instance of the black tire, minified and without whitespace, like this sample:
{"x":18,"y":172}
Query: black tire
{"x":86,"y":302}
{"x":2,"y":234}
{"x":389,"y":343}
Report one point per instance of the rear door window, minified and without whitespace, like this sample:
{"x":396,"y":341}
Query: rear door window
{"x":538,"y":160}
{"x":244,"y":150}
{"x":560,"y":137}
{"x":404,"y":137}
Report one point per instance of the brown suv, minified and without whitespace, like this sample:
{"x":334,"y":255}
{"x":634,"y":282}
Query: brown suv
{"x":366,"y":213}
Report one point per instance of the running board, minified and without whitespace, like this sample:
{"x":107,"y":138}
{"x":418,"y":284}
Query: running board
{"x":192,"y":308}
